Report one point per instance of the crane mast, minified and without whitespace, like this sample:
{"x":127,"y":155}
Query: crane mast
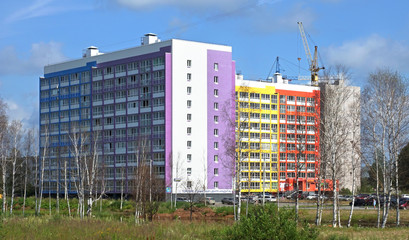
{"x":312,"y":61}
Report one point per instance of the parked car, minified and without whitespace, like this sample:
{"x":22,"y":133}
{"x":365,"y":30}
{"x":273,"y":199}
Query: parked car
{"x":359,"y":202}
{"x":250,"y":199}
{"x":362,"y":196}
{"x":208,"y":200}
{"x":405,"y":196}
{"x":267,"y":198}
{"x":182,"y":199}
{"x":312,"y":196}
{"x":404,"y":203}
{"x":294,"y":195}
{"x":229,"y":201}
{"x":345,"y":198}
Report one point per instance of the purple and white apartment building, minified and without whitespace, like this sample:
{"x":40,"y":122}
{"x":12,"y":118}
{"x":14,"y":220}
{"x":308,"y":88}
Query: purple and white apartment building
{"x":169,"y":95}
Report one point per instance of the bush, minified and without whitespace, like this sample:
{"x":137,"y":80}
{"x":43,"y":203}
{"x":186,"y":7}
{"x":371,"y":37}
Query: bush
{"x":337,"y":237}
{"x":166,"y":207}
{"x":345,"y":191}
{"x":268,"y":223}
{"x":224,"y":211}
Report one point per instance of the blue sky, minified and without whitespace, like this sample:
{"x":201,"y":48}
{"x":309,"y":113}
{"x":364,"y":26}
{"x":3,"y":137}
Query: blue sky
{"x":362,"y":35}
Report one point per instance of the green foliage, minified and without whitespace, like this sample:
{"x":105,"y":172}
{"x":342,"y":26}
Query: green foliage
{"x":166,"y":207}
{"x":225,"y":210}
{"x":366,"y":185}
{"x":345,"y":191}
{"x":115,"y":205}
{"x":403,"y":161}
{"x":337,"y":237}
{"x":268,"y":223}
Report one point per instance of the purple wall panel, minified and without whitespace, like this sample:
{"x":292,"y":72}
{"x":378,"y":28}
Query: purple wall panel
{"x":225,"y":87}
{"x":168,"y":119}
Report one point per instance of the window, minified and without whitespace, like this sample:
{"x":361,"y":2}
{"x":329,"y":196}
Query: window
{"x":216,"y":119}
{"x":189,"y":90}
{"x":157,"y":102}
{"x":189,"y":184}
{"x":189,"y":130}
{"x":189,"y":76}
{"x":282,"y":175}
{"x":189,"y":103}
{"x":216,"y":132}
{"x":189,"y":171}
{"x":216,"y":92}
{"x":216,"y":145}
{"x":216,"y":79}
{"x":189,"y":117}
{"x":216,"y":158}
{"x":132,"y":66}
{"x":282,"y":98}
{"x":108,"y":70}
{"x":216,"y":66}
{"x":216,"y":106}
{"x":189,"y":144}
{"x":189,"y":63}
{"x":216,"y":172}
{"x":189,"y":157}
{"x":216,"y":185}
{"x":282,"y":108}
{"x":132,"y":105}
{"x":144,"y":103}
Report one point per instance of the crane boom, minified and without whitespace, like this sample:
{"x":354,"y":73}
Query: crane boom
{"x":312,"y":62}
{"x":305,"y":43}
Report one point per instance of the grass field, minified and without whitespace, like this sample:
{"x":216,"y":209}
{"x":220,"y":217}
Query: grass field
{"x":111,"y":223}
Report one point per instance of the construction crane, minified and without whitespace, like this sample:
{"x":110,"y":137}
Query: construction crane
{"x":312,"y":62}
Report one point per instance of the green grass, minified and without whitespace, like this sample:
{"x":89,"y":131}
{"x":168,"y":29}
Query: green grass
{"x":113,"y":223}
{"x":74,"y":228}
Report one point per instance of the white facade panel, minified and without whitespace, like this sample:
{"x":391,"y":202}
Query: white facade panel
{"x":196,"y":54}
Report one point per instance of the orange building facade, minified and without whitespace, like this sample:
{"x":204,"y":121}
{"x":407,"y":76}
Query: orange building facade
{"x":293,"y":156}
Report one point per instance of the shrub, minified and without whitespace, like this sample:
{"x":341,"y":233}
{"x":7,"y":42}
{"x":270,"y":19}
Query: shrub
{"x":166,"y":207}
{"x":345,"y":191}
{"x":268,"y":223}
{"x":224,"y":211}
{"x":337,"y":237}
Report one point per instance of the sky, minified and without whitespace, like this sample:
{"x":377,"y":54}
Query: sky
{"x":362,"y":35}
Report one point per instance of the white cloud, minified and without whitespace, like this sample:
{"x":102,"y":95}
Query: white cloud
{"x":41,"y":54}
{"x":38,"y":8}
{"x":42,"y":8}
{"x":15,"y":111}
{"x":366,"y":55}
{"x":268,"y":20}
{"x":25,"y":109}
{"x":207,"y":5}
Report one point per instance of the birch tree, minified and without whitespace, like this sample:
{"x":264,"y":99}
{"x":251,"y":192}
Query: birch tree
{"x":29,"y":156}
{"x":237,"y":145}
{"x":355,"y":126}
{"x":387,"y":109}
{"x":93,"y":173}
{"x":79,"y":150}
{"x":148,"y":188}
{"x":44,"y":144}
{"x":334,"y":133}
{"x":3,"y":150}
{"x":15,"y":135}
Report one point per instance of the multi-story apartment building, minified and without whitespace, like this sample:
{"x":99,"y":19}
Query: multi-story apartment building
{"x":166,"y":96}
{"x":348,"y":164}
{"x":277,"y":135}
